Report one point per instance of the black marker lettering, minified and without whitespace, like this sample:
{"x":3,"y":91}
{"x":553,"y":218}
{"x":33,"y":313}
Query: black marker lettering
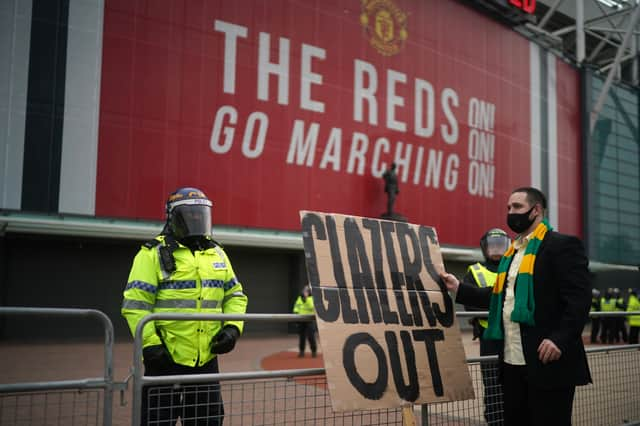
{"x":396,"y":278}
{"x":330,"y":313}
{"x":389,"y":316}
{"x":412,"y":263}
{"x":429,"y":337}
{"x":349,"y":314}
{"x":362,"y":279}
{"x":426,"y":303}
{"x":410,"y":391}
{"x":373,"y":390}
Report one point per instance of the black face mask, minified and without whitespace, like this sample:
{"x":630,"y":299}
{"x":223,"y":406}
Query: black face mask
{"x":520,"y":222}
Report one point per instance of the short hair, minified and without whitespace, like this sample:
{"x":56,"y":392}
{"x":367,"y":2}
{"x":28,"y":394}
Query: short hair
{"x":534,"y":196}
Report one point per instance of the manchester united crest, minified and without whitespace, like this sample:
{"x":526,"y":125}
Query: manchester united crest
{"x":386,"y":25}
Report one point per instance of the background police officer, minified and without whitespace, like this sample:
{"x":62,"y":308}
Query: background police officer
{"x":608,"y":304}
{"x":620,"y":322}
{"x":183,"y":270}
{"x":633,"y":305}
{"x":306,"y":329}
{"x":493,"y":244}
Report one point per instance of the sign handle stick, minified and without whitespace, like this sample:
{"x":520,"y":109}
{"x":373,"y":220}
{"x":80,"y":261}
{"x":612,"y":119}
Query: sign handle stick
{"x":408,"y":418}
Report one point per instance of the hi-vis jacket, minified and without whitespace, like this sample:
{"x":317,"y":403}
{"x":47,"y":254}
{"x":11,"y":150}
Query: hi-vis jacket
{"x":304,"y":306}
{"x":633,"y":305}
{"x":203,"y":282}
{"x":483,"y":278}
{"x":608,"y":305}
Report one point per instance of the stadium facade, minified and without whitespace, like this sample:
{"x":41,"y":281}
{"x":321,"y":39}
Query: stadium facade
{"x":274,"y":107}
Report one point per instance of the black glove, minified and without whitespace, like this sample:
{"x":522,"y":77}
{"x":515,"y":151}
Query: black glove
{"x":225,"y":340}
{"x":156,"y":356}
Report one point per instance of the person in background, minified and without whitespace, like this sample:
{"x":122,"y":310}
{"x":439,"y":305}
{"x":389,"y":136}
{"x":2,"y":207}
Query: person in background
{"x":608,"y":304}
{"x":620,"y":323}
{"x":306,"y":329}
{"x":183,"y":270}
{"x":537,"y":311}
{"x":634,"y":320}
{"x":493,"y":244}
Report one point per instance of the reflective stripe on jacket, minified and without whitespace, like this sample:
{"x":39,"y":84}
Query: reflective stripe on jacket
{"x":483,"y":278}
{"x":304,"y":306}
{"x":203,"y":282}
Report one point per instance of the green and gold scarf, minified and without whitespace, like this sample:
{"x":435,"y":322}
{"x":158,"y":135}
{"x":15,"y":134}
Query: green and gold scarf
{"x":525,"y":304}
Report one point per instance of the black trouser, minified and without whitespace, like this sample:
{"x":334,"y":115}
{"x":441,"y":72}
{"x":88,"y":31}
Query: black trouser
{"x":608,"y":334}
{"x":307,"y":331}
{"x":633,"y":334}
{"x":621,"y":329}
{"x":526,"y":404}
{"x":199,"y":404}
{"x":595,"y":328}
{"x":490,"y":379}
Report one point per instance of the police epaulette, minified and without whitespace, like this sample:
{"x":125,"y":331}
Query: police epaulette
{"x":151,"y":243}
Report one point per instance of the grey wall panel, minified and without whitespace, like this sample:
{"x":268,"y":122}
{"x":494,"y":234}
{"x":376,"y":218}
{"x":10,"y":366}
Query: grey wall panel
{"x":82,"y":102}
{"x":69,"y":273}
{"x":266,"y":278}
{"x":51,"y":271}
{"x":15,"y":31}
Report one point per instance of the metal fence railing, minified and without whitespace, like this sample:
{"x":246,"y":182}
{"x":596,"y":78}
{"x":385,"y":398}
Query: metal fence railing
{"x":52,"y":407}
{"x":612,"y":399}
{"x":86,"y":401}
{"x":295,"y":397}
{"x":285,"y":397}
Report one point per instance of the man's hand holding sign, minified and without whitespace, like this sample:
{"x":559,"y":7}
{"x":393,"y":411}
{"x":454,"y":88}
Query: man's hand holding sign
{"x":386,"y":321}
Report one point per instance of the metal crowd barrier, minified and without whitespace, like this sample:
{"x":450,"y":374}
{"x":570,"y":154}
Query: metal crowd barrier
{"x":61,"y":402}
{"x":298,"y":397}
{"x":283,"y":397}
{"x":293,"y":397}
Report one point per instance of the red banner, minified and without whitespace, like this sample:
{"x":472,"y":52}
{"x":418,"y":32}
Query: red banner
{"x":276,"y":106}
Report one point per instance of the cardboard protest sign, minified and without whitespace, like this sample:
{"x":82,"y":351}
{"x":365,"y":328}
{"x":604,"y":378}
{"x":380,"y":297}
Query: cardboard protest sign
{"x":387,"y":324}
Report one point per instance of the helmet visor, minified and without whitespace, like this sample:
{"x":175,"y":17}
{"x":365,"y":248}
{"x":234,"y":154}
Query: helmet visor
{"x":497,"y":245}
{"x":191,"y":221}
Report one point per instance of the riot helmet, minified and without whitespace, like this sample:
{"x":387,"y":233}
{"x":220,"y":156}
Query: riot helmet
{"x":189,"y":213}
{"x":494,"y":243}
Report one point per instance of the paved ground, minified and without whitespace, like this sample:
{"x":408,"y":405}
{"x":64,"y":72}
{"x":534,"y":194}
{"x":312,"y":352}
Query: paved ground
{"x":40,"y":362}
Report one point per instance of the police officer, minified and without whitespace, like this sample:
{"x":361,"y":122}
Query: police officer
{"x":608,"y":304}
{"x":595,"y":321}
{"x":620,"y":322}
{"x":633,"y":305}
{"x":183,"y":270}
{"x":306,"y":329}
{"x":493,"y":245}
